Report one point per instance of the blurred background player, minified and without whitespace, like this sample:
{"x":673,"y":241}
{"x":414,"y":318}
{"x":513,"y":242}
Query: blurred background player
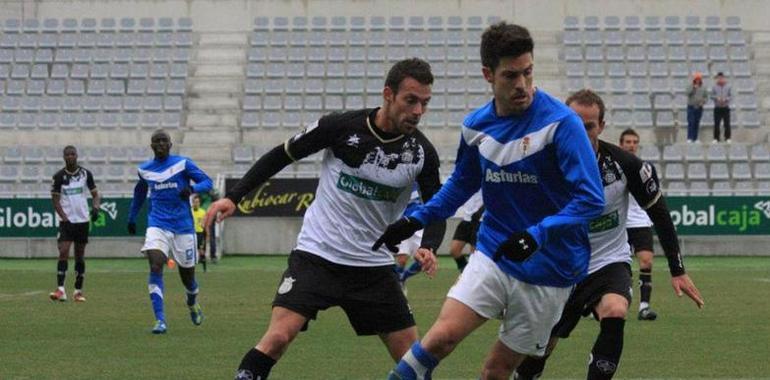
{"x":465,"y":233}
{"x":170,"y":228}
{"x":200,"y":233}
{"x":639,"y":228}
{"x":68,"y":194}
{"x":606,"y":292}
{"x":207,"y":198}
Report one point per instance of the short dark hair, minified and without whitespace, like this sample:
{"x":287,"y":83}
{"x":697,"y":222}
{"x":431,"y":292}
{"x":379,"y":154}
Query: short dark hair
{"x":504,"y":40}
{"x":414,"y":68}
{"x":629,"y":131}
{"x":160,"y":131}
{"x":587,"y":97}
{"x":69,"y":147}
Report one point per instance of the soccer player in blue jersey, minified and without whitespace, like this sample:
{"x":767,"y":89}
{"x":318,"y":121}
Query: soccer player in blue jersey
{"x":531,"y":157}
{"x":170,"y":228}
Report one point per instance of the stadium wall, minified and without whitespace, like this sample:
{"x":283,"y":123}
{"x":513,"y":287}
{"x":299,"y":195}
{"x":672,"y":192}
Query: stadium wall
{"x":238,"y":15}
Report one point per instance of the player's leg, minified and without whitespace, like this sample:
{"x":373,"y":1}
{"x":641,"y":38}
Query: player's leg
{"x":284,"y":326}
{"x":608,"y":347}
{"x":184,"y":251}
{"x":80,"y":271}
{"x":61,"y":268}
{"x":461,"y":237}
{"x":641,"y":240}
{"x":156,"y":259}
{"x":200,"y":239}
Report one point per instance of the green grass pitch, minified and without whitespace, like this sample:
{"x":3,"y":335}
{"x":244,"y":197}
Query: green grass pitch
{"x":109,"y":336}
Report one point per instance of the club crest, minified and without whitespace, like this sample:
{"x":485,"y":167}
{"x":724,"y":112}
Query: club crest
{"x":286,"y":285}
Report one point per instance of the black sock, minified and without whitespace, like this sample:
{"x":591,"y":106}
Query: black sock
{"x":254,"y":366}
{"x":61,"y":272}
{"x":531,"y":368}
{"x":461,"y":261}
{"x":80,"y":270}
{"x":605,"y":356}
{"x":645,"y":284}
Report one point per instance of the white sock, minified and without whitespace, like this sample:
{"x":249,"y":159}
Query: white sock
{"x":643,"y":305}
{"x":62,"y":289}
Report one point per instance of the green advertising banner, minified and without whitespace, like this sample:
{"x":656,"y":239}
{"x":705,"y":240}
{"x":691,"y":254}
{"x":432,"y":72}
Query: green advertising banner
{"x":35,"y":218}
{"x":735,"y":215}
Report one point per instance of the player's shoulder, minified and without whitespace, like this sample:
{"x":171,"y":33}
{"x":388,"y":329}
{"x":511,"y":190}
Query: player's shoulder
{"x":550,"y":109}
{"x":86,"y":171}
{"x":625,"y":159}
{"x":480,"y":115}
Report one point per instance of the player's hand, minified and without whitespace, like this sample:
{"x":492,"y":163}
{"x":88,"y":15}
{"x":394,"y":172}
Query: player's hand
{"x":219,"y":210}
{"x":94,"y":214}
{"x":396,"y":233}
{"x":131,"y":228}
{"x":519,"y":247}
{"x":683,"y":285}
{"x":427,"y":260}
{"x":186,"y":192}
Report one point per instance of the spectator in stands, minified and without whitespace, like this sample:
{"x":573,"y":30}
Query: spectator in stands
{"x":721,"y":93}
{"x":697,"y":96}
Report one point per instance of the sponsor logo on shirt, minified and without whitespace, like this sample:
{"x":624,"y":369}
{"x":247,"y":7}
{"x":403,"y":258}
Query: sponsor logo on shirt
{"x":72,"y":190}
{"x":512,"y":177}
{"x":366,"y":189}
{"x":165,"y":185}
{"x":605,"y":222}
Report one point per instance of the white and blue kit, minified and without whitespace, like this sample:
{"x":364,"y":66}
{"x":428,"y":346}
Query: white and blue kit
{"x":170,"y":227}
{"x":537,"y":172}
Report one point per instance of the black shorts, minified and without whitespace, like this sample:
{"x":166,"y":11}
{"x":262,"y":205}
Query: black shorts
{"x":77,"y":232}
{"x":614,"y":278}
{"x":640,"y":238}
{"x":200,"y":238}
{"x":370,"y":296}
{"x":466,"y":231}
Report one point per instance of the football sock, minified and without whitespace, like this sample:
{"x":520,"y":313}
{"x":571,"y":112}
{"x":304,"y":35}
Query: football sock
{"x":61,"y":272}
{"x":416,"y":364}
{"x":645,"y":286}
{"x":192,"y":293}
{"x":155,"y":286}
{"x":411,"y":271}
{"x":80,"y":270}
{"x":531,"y":368}
{"x":605,"y":355}
{"x":255,"y":365}
{"x":461,"y":262}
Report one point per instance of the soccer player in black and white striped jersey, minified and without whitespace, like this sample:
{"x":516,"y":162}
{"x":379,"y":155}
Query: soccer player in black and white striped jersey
{"x":71,"y":204}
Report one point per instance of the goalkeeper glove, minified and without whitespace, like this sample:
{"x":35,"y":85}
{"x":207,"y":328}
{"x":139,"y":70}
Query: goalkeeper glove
{"x":396,"y":233}
{"x":519,"y":247}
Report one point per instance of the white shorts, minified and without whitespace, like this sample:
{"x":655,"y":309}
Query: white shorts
{"x":410,"y":246}
{"x":528,"y":312}
{"x":183,"y":246}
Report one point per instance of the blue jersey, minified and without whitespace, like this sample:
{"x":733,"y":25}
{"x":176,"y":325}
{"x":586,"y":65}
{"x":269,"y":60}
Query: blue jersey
{"x":538,"y":173}
{"x":414,"y":201}
{"x":165,"y":179}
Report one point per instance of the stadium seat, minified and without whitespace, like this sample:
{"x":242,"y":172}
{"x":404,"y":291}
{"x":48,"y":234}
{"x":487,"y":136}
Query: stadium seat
{"x":699,"y":188}
{"x":762,"y":170}
{"x":675,"y":171}
{"x":676,"y":188}
{"x":718,"y":171}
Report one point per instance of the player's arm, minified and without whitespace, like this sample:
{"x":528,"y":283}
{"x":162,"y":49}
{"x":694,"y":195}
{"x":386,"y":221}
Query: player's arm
{"x":429,"y":183}
{"x":315,"y":137}
{"x":644,"y":186}
{"x":202,"y":181}
{"x":96,"y":199}
{"x":463,"y":183}
{"x":577,"y":162}
{"x":58,"y":179}
{"x":140,"y":194}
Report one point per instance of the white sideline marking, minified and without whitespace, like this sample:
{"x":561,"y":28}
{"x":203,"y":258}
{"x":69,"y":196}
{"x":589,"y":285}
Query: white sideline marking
{"x":763,"y":279}
{"x":4,"y":296}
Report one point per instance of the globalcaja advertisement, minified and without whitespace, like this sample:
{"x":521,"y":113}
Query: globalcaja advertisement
{"x":36,"y":218}
{"x":277,"y":197}
{"x":720,"y":215}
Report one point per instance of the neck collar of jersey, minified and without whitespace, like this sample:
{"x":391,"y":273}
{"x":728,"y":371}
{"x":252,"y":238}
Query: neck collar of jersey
{"x":77,"y":169}
{"x":381,"y":135}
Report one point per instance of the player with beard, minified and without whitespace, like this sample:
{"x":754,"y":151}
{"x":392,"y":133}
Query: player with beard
{"x":371,"y":159}
{"x":606,"y":292}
